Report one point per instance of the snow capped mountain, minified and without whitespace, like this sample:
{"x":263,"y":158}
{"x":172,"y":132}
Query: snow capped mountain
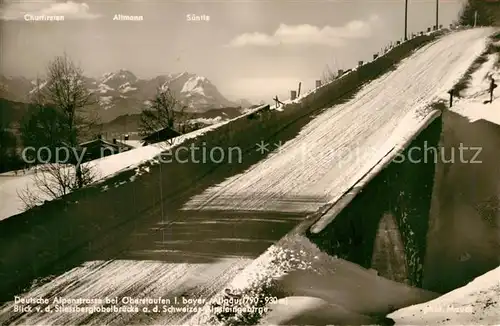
{"x":198,"y":93}
{"x":38,"y":87}
{"x":121,"y":92}
{"x":116,"y":79}
{"x":194,"y":85}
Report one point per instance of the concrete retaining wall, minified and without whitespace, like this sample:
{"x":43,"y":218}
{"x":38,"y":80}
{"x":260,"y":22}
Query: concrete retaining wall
{"x":464,"y":232}
{"x":402,"y":189}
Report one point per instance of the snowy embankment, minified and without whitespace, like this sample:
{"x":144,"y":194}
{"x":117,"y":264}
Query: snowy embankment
{"x":106,"y":167}
{"x":335,"y":289}
{"x":342,"y":144}
{"x":473,"y":104}
{"x":476,"y":303}
{"x":380,"y":117}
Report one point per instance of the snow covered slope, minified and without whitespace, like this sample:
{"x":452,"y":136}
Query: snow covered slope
{"x":11,"y":185}
{"x":340,"y":145}
{"x":472,"y":105}
{"x":477,"y":303}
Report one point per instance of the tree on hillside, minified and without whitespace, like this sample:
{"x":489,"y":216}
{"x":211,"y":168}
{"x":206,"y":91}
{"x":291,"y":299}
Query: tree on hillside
{"x":468,"y":14}
{"x":44,"y":127}
{"x":8,"y":155}
{"x":163,"y":111}
{"x":61,"y":119}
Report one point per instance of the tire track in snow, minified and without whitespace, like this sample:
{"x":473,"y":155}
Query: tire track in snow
{"x":119,"y":278}
{"x":281,"y":182}
{"x":194,"y":256}
{"x":343,"y":143}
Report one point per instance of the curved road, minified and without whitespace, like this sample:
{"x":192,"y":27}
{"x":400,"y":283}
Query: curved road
{"x":199,"y":251}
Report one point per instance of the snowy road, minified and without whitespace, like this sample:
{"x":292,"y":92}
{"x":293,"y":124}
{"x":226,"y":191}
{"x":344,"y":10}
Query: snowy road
{"x":151,"y":279}
{"x":339,"y":146}
{"x":199,"y":255}
{"x":192,"y":256}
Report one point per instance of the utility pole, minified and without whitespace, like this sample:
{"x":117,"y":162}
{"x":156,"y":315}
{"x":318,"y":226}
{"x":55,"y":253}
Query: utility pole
{"x":406,"y":20}
{"x":437,"y":14}
{"x":475,"y":18}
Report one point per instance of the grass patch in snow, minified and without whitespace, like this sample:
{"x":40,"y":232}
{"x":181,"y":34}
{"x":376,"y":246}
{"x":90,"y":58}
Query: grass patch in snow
{"x":466,"y":79}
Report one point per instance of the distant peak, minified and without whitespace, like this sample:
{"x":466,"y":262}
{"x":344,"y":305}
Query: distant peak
{"x":120,"y":74}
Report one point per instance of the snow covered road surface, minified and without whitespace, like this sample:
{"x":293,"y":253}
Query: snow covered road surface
{"x":340,"y":145}
{"x":120,"y":278}
{"x":192,"y":255}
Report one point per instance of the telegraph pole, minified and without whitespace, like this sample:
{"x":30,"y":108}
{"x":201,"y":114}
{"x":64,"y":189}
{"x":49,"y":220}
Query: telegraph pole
{"x":406,"y":20}
{"x":437,"y":14}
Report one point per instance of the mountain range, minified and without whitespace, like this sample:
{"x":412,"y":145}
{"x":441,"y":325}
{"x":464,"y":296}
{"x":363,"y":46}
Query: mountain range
{"x":121,"y":92}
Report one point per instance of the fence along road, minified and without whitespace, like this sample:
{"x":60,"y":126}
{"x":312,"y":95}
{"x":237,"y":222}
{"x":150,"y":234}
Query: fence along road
{"x":203,"y":250}
{"x":339,"y":146}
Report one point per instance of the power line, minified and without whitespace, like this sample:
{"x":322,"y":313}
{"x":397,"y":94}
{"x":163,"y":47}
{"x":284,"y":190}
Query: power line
{"x":437,"y":14}
{"x":406,"y":20}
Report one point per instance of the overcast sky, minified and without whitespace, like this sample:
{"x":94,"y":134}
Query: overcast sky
{"x":248,"y":49}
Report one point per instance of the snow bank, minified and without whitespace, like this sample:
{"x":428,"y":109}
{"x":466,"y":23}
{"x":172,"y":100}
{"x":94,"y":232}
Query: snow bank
{"x":133,"y":143}
{"x":477,"y":303}
{"x":473,"y":105}
{"x":475,"y":110}
{"x":297,"y":267}
{"x":303,"y":310}
{"x":208,"y":121}
{"x":105,"y":167}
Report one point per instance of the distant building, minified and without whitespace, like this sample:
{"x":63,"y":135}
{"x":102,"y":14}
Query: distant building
{"x":99,"y":147}
{"x":160,"y":135}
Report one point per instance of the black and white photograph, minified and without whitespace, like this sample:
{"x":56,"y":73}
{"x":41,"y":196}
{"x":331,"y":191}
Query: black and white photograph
{"x":249,"y":162}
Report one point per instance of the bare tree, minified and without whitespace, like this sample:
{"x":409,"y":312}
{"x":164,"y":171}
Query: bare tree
{"x":9,"y":158}
{"x":163,"y":111}
{"x":328,"y":75}
{"x":66,"y":90}
{"x":52,"y":181}
{"x":61,"y":118}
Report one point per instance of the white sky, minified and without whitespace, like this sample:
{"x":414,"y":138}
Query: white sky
{"x":248,"y":49}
